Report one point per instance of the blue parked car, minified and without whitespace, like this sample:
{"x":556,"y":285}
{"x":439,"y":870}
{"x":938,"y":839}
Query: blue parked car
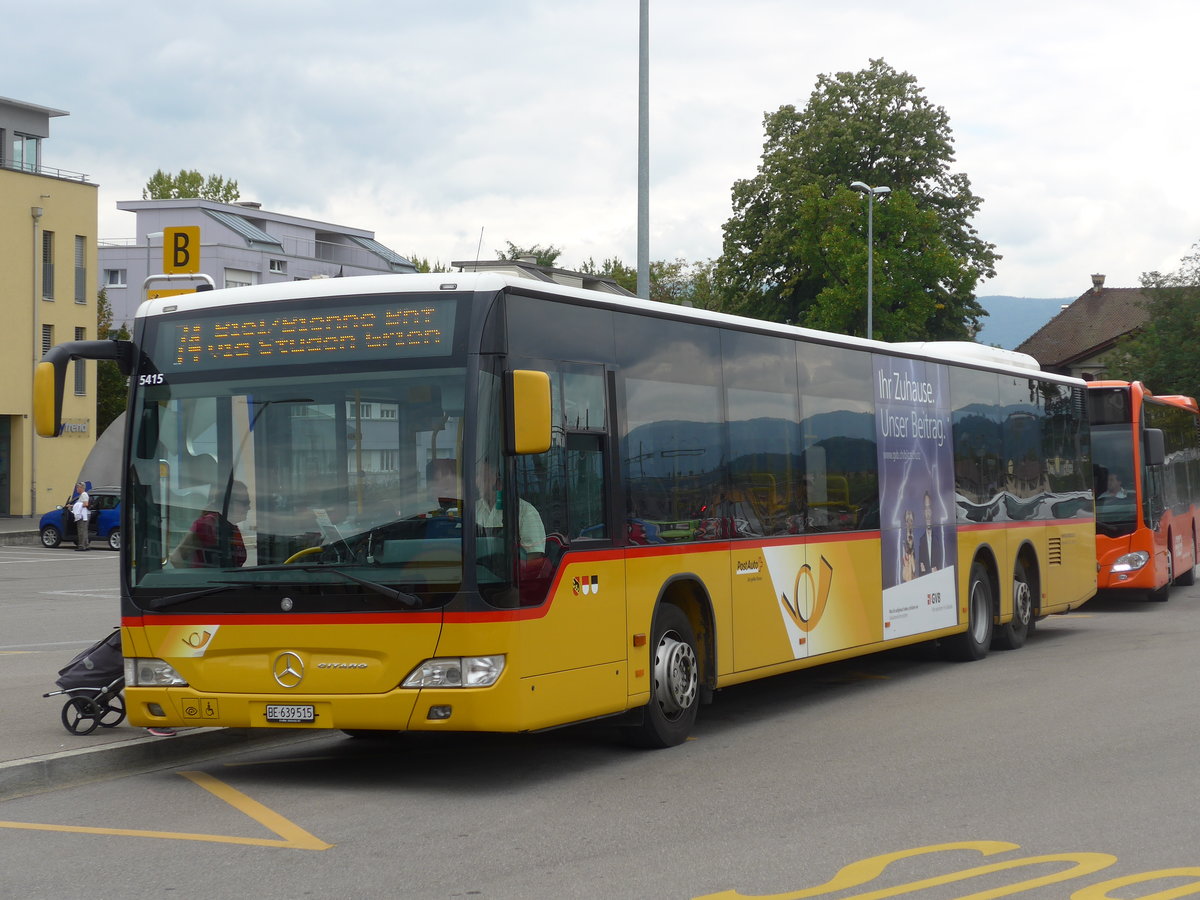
{"x":104,"y":524}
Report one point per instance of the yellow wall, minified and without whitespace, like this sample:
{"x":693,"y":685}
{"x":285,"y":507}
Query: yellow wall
{"x":69,"y":208}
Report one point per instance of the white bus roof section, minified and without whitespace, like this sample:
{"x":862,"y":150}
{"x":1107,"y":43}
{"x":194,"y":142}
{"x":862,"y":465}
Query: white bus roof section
{"x":953,"y":352}
{"x":966,"y":350}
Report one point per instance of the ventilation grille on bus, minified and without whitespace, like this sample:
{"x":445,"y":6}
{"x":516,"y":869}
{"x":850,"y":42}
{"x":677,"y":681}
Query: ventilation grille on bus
{"x":1054,"y":551}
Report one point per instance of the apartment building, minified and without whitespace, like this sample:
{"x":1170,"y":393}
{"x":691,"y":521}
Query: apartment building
{"x":239,"y":244}
{"x":48,"y":273}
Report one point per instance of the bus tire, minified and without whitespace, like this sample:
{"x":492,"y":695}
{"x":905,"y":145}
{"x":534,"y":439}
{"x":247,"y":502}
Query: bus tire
{"x":973,"y":643}
{"x":1163,"y":594}
{"x":668,"y":718}
{"x":1188,"y":577}
{"x":1013,"y":634}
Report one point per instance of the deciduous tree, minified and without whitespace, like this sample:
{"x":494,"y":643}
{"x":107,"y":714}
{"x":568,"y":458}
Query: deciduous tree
{"x":1162,"y":352}
{"x":543,"y":256}
{"x":111,"y":386}
{"x":190,"y":183}
{"x":795,"y":248}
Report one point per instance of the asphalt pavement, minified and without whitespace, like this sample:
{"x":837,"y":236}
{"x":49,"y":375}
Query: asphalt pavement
{"x":37,"y":753}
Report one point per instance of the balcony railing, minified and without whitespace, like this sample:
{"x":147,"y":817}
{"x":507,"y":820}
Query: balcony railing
{"x":48,"y":171}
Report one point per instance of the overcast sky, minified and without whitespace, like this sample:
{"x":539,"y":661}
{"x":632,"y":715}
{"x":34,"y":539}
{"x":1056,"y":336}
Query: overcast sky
{"x":434,"y":122}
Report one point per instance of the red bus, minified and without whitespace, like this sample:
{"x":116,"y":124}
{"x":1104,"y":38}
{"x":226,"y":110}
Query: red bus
{"x":1146,"y":466}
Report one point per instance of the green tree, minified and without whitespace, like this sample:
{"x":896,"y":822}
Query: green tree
{"x":1162,"y":352}
{"x":190,"y":183}
{"x":671,"y":281}
{"x":543,"y":256}
{"x":424,"y":264}
{"x":613,"y":268}
{"x":111,"y":386}
{"x":795,"y":248}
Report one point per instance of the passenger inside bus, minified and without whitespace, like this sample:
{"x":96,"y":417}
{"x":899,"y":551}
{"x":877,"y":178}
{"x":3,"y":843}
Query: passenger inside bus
{"x":214,"y":539}
{"x":489,"y":512}
{"x":442,"y":484}
{"x":1114,"y":488}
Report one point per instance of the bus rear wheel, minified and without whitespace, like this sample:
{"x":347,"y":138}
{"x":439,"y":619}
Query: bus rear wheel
{"x":974,"y":642}
{"x":668,"y":718}
{"x":1013,"y":634}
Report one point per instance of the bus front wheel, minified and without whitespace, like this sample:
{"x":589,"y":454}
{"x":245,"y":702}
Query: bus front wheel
{"x":1188,"y":576}
{"x":675,"y":682}
{"x":1163,"y":594}
{"x":974,"y":642}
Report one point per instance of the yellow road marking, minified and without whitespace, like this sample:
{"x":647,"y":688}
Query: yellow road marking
{"x":1075,"y":865}
{"x":291,"y":836}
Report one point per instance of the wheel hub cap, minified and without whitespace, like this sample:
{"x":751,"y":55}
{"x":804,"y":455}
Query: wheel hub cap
{"x":675,"y":675}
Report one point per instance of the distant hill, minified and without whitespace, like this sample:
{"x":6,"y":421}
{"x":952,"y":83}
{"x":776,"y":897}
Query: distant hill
{"x":1011,"y":320}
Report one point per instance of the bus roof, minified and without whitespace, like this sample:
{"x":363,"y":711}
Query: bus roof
{"x":953,"y":352}
{"x":1180,"y":400}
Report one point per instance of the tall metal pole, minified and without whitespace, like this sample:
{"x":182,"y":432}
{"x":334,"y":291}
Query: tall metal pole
{"x":872,"y":193}
{"x":870,"y":264}
{"x":643,"y":215}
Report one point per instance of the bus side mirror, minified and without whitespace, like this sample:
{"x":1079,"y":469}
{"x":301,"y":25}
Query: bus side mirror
{"x":1154,"y":447}
{"x":47,"y":398}
{"x":51,"y":374}
{"x":529,"y":411}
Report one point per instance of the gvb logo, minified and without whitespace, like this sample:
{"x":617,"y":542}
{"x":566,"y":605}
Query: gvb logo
{"x":809,"y":593}
{"x":586,"y":584}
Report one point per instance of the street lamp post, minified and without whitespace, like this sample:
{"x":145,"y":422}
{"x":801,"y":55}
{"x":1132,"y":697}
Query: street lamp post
{"x":872,"y":193}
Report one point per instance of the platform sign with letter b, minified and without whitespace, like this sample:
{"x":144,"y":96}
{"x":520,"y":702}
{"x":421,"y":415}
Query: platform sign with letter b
{"x":181,"y":250}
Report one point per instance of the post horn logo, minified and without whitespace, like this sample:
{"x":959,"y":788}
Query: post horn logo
{"x":289,"y":669}
{"x":818,"y":589}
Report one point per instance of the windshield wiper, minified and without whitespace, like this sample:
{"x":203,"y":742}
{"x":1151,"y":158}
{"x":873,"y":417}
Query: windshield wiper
{"x":412,"y":601}
{"x":176,"y":599}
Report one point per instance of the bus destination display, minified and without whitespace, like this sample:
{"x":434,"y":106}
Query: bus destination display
{"x":344,"y":332}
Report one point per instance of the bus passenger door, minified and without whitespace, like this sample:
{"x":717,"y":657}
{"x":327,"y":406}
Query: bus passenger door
{"x":579,"y":588}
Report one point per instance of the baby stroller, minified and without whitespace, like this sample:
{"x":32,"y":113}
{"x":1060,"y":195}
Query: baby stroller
{"x":93,"y":681}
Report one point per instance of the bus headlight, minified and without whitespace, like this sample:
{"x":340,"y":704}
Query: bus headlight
{"x":151,"y":672}
{"x":1131,"y":562}
{"x":456,"y":671}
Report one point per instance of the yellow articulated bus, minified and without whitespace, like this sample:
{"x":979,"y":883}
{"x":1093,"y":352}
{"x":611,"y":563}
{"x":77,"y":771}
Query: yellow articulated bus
{"x":472,"y":502}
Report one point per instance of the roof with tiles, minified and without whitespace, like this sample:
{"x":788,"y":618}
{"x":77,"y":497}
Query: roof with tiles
{"x":1088,"y":326}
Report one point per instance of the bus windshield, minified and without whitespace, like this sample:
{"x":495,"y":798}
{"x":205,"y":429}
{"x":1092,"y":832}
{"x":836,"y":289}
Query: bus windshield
{"x":345,"y":488}
{"x":1115,"y":485}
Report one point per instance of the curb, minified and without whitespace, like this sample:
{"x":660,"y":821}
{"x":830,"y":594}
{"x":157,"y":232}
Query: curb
{"x":145,"y":753}
{"x":21,"y":539}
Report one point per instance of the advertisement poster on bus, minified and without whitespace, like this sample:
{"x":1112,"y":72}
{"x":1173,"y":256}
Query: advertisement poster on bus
{"x":916,"y":493}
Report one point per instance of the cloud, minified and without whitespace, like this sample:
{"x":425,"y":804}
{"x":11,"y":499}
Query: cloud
{"x":426,"y":122}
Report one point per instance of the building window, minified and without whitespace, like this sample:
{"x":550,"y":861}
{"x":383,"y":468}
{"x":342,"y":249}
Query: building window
{"x":114,"y":278}
{"x":80,"y":370}
{"x":239,"y":278}
{"x":48,"y":265}
{"x":278,"y":266}
{"x":25,"y":152}
{"x":80,"y":269}
{"x":47,"y":338}
{"x":387,"y":412}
